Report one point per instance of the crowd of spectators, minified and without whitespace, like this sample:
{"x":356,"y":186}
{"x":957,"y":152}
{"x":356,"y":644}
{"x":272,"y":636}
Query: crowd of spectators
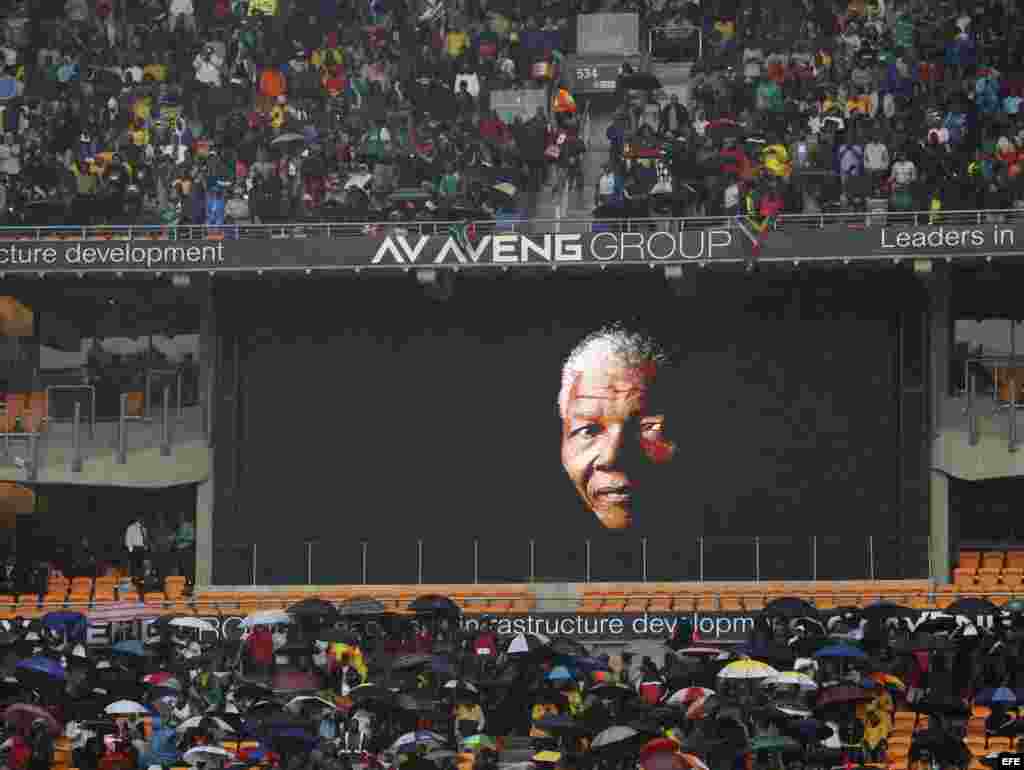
{"x":219,"y":111}
{"x":814,"y":105}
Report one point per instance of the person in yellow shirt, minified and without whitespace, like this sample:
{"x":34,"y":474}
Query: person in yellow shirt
{"x":456,"y":43}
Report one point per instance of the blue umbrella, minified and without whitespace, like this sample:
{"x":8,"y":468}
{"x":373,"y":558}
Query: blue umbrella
{"x":42,"y":665}
{"x":559,"y":674}
{"x":130,"y":647}
{"x":998,"y":696}
{"x":73,"y":624}
{"x":841,"y":651}
{"x":441,"y":665}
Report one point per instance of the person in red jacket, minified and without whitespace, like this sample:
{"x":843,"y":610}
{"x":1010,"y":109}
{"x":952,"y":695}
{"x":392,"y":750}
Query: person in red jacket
{"x":261,"y":649}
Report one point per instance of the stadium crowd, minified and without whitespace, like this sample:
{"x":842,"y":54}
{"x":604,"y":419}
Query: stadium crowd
{"x":817,"y":106}
{"x":272,"y":110}
{"x":266,"y":110}
{"x":351,"y":685}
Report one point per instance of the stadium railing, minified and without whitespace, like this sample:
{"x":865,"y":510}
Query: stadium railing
{"x":314,"y":229}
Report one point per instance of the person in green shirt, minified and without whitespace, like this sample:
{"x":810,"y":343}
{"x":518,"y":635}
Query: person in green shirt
{"x":185,"y":545}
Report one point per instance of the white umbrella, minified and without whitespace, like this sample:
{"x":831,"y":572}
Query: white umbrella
{"x":125,"y":707}
{"x":792,"y":678}
{"x":191,"y":722}
{"x":521,"y":643}
{"x":802,"y":713}
{"x":197,"y":623}
{"x":304,"y":699}
{"x":291,"y":136}
{"x":267,"y":618}
{"x":613,"y":734}
{"x":206,"y":753}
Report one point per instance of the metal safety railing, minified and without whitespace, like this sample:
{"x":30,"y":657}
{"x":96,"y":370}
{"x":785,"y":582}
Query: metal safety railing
{"x":339,"y":230}
{"x":90,"y":389}
{"x":314,"y":561}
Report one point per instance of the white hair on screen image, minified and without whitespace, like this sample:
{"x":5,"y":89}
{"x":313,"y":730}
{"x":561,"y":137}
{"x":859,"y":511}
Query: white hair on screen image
{"x":609,"y":343}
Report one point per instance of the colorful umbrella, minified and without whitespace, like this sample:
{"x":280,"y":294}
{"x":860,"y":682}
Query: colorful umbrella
{"x":841,"y":651}
{"x":159,"y":678}
{"x":23,"y":715}
{"x":997,"y":696}
{"x":559,"y":674}
{"x":688,"y":695}
{"x":478,"y":742}
{"x":888,"y":680}
{"x":747,"y":669}
{"x":42,"y":665}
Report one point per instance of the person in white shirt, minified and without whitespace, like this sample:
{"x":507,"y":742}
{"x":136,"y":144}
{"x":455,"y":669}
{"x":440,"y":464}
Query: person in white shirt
{"x":136,"y":540}
{"x":904,"y":172}
{"x":876,"y":161}
{"x":208,"y":67}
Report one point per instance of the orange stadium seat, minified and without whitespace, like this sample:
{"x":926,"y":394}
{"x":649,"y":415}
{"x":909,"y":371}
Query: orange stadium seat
{"x":993,"y":560}
{"x":105,"y":589}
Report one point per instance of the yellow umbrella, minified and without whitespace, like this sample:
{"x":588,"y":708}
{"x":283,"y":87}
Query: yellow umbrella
{"x":546,"y":756}
{"x":747,"y":669}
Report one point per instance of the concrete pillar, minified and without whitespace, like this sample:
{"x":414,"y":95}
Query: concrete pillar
{"x":939,"y":558}
{"x":940,"y":345}
{"x":208,"y":349}
{"x":204,"y":533}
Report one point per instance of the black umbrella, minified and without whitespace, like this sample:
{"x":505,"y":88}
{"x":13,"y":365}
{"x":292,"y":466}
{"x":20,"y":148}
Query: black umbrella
{"x":886,"y":610}
{"x":769,"y":715}
{"x":940,"y":746}
{"x":561,"y":724}
{"x":610,"y":690}
{"x":972,"y":606}
{"x":371,"y":693}
{"x":361,"y":605}
{"x":924,"y":643}
{"x":314,"y":607}
{"x":808,"y":730}
{"x":411,"y":701}
{"x":434,"y":604}
{"x":842,"y":694}
{"x":941,"y":706}
{"x":563,"y":645}
{"x":337,"y":636}
{"x":789,"y":607}
{"x":640,"y":81}
{"x":253,"y":690}
{"x":1012,"y":729}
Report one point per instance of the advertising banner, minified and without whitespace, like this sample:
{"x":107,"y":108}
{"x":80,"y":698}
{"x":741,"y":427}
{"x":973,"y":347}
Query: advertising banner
{"x":608,"y":33}
{"x":712,"y":627}
{"x":511,"y":250}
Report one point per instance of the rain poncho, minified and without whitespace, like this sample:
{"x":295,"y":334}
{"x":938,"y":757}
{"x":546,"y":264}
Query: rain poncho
{"x":877,"y":719}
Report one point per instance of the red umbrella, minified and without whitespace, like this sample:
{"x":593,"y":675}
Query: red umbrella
{"x":688,"y":695}
{"x":23,"y":715}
